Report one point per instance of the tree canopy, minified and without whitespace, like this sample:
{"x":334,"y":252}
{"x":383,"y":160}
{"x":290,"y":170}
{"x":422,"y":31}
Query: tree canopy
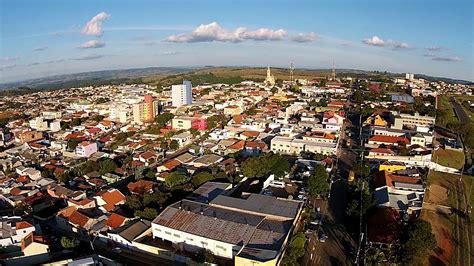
{"x":264,"y":165}
{"x":176,"y":178}
{"x":419,"y":242}
{"x":318,"y":182}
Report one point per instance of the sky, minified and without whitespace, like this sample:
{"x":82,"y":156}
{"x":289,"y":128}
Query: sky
{"x":52,"y":37}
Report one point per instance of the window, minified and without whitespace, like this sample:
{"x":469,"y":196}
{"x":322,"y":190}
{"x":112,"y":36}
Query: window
{"x":168,"y":233}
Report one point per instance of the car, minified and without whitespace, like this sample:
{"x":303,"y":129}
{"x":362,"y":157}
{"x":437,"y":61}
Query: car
{"x":116,"y":250}
{"x":322,"y":237}
{"x":318,"y":219}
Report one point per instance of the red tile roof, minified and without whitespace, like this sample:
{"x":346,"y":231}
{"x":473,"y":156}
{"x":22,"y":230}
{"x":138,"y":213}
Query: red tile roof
{"x":112,"y":198}
{"x":238,"y":145}
{"x":141,"y":186}
{"x":389,"y":139}
{"x":78,"y":218}
{"x":171,"y":164}
{"x":22,"y":225}
{"x":115,"y":221}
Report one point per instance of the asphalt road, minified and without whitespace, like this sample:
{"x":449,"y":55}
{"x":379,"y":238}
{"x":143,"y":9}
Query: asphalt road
{"x":460,"y":112}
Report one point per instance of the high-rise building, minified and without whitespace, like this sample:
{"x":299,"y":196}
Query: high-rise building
{"x":182,"y":94}
{"x":146,"y":111}
{"x":409,"y":76}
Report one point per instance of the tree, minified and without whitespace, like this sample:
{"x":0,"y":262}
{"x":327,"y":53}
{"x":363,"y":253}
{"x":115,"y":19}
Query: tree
{"x":264,"y":165}
{"x":176,"y":178}
{"x":72,"y":144}
{"x":358,"y":187}
{"x":202,"y":178}
{"x":318,"y":182}
{"x":295,"y":250}
{"x":361,"y":170}
{"x":69,"y":243}
{"x":107,"y":166}
{"x":133,"y":202}
{"x":147,"y":213}
{"x":194,"y":132}
{"x":163,"y":119}
{"x":420,"y":240}
{"x":155,"y":197}
{"x":174,"y":145}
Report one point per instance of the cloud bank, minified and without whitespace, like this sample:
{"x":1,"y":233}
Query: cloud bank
{"x":214,"y":32}
{"x":306,"y":37}
{"x":377,"y":41}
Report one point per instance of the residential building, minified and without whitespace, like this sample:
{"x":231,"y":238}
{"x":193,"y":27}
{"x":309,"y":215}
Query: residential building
{"x":182,"y":94}
{"x":86,"y":149}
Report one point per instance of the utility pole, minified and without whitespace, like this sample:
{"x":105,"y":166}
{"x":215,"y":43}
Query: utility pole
{"x":361,"y":234}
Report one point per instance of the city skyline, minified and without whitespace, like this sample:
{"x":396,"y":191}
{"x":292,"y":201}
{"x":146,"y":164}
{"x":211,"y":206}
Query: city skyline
{"x":396,"y":36}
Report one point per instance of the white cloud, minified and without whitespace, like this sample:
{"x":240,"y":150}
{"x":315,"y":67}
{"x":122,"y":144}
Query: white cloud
{"x":39,"y":49}
{"x":94,"y":26}
{"x":306,"y":37}
{"x":375,"y":41}
{"x":401,"y":46}
{"x":435,"y":48}
{"x":10,"y":58}
{"x":87,"y":57}
{"x":214,"y":32}
{"x":448,"y":59}
{"x":92,"y":44}
{"x":169,"y":53}
{"x":6,"y":67}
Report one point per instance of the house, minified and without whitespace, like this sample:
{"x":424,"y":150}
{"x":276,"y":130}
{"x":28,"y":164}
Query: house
{"x":13,"y":230}
{"x":418,"y":139}
{"x":168,"y":165}
{"x":233,"y":110}
{"x":124,"y":235}
{"x":148,"y":157}
{"x":182,"y":138}
{"x":86,"y":149}
{"x":108,"y":200}
{"x":387,"y":140}
{"x":179,"y":123}
{"x":392,"y":166}
{"x":70,"y":218}
{"x":115,"y":221}
{"x":105,"y":125}
{"x":141,"y":187}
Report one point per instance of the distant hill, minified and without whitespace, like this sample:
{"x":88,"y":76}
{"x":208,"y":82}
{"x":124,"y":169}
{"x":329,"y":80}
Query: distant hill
{"x":93,"y":78}
{"x":165,"y":76}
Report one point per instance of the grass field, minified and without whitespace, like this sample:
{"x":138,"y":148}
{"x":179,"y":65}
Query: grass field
{"x":449,"y":158}
{"x":446,"y":111}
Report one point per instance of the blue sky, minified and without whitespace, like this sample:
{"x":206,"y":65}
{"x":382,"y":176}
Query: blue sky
{"x":50,"y":37}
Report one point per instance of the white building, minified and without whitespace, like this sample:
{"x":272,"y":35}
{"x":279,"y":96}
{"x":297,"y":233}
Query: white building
{"x":86,"y":149}
{"x":182,"y":94}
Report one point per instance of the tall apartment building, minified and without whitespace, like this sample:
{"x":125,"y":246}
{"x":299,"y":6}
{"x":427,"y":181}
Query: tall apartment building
{"x":145,"y":111}
{"x":182,"y":94}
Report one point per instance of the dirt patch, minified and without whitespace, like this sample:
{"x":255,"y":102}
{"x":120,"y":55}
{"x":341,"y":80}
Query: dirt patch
{"x":438,"y":194}
{"x":441,"y":152}
{"x":441,"y":225}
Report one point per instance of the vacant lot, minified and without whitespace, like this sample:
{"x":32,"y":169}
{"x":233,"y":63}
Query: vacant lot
{"x":449,"y":158}
{"x":440,"y":192}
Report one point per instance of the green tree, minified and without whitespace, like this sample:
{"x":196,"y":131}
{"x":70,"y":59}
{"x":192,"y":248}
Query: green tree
{"x":147,"y":213}
{"x":194,"y":132}
{"x":419,"y":242}
{"x":176,"y":178}
{"x":107,"y":166}
{"x":362,"y":170}
{"x":174,"y":145}
{"x":318,"y":182}
{"x":163,"y":119}
{"x":155,"y":197}
{"x":133,"y":202}
{"x":295,"y":250}
{"x":264,"y":165}
{"x":69,"y":243}
{"x":360,"y":187}
{"x":202,"y":178}
{"x":72,"y":144}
